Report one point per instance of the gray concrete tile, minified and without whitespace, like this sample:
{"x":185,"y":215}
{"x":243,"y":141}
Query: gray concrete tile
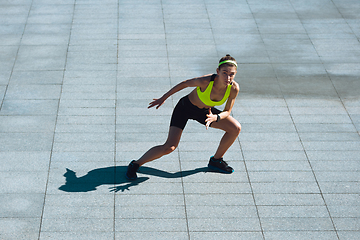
{"x":346,"y":224}
{"x":82,"y":212}
{"x":355,"y":118}
{"x":11,"y":8}
{"x":51,"y":57}
{"x":348,"y":234}
{"x":85,"y":128}
{"x":80,"y":200}
{"x":49,"y":18}
{"x":2,"y":93}
{"x":12,"y":29}
{"x":155,"y":225}
{"x":213,"y":212}
{"x":85,"y":120}
{"x":76,"y":235}
{"x":29,"y":107}
{"x":213,"y":188}
{"x":265,"y":137}
{"x":76,"y":66}
{"x":333,"y":155}
{"x":344,"y":211}
{"x":23,"y":142}
{"x":39,"y":29}
{"x":265,"y":119}
{"x":270,"y":199}
{"x":19,"y":205}
{"x":149,"y":200}
{"x":92,"y":57}
{"x":286,"y":187}
{"x":77,"y":225}
{"x":272,"y":146}
{"x":65,"y":8}
{"x":325,"y":127}
{"x":36,"y":77}
{"x":153,"y":235}
{"x":318,"y":110}
{"x":27,"y":124}
{"x":302,"y":70}
{"x":223,"y":199}
{"x":312,"y":137}
{"x":8,"y":55}
{"x":35,"y":182}
{"x":281,"y":176}
{"x":274,"y":155}
{"x":341,"y":176}
{"x":227,"y":235}
{"x":151,"y":212}
{"x":83,"y":146}
{"x":278,"y":165}
{"x":339,"y":187}
{"x":265,"y":110}
{"x":83,"y":137}
{"x":272,"y":235}
{"x":45,"y":39}
{"x":224,"y":224}
{"x":87,"y":103}
{"x":86,"y":111}
{"x":293,"y":211}
{"x":297,"y":224}
{"x":13,"y":161}
{"x":33,"y":92}
{"x":20,"y":228}
{"x":93,"y":44}
{"x":336,"y":166}
{"x":265,"y":127}
{"x":4,"y":80}
{"x":305,"y":102}
{"x":342,"y":199}
{"x":323,"y":146}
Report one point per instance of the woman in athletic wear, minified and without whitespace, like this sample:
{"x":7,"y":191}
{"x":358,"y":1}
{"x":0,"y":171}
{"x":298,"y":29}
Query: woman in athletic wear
{"x":210,"y":90}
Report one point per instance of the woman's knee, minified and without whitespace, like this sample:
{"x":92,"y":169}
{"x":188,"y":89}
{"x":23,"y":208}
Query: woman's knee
{"x":237,"y":128}
{"x":169,"y":148}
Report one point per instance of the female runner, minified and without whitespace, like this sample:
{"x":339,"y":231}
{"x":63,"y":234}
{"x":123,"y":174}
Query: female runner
{"x":210,"y":90}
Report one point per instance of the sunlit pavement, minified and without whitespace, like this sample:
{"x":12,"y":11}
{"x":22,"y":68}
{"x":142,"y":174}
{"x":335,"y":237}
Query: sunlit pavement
{"x":76,"y":77}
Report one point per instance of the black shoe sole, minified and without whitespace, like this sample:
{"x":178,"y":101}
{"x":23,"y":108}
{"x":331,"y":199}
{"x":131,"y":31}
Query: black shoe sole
{"x":219,"y":169}
{"x":128,"y":178}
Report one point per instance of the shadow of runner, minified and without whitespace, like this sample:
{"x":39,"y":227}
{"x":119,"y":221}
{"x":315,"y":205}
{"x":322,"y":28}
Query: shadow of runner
{"x":114,"y":176}
{"x":163,"y":174}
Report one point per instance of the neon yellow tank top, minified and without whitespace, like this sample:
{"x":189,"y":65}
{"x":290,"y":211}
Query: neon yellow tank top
{"x":205,"y":96}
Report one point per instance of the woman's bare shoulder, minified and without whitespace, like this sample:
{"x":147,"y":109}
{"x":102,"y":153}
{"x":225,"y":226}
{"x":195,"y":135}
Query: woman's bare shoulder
{"x":201,"y":82}
{"x":235,"y":86}
{"x":234,"y":89}
{"x":204,"y":80}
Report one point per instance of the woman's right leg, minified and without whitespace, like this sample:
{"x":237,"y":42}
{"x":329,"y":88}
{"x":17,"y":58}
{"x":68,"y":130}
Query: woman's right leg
{"x":158,"y":151}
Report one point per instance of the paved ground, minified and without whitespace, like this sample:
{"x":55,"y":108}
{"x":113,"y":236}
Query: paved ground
{"x":75,"y":80}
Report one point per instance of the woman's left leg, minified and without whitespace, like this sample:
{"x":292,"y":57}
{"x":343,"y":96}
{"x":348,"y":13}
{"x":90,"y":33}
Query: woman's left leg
{"x":232,"y":130}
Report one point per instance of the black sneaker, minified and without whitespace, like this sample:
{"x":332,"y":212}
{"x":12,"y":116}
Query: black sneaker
{"x":131,"y":170}
{"x":220,"y":165}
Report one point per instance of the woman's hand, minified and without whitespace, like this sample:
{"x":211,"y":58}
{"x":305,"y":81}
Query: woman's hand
{"x":157,"y":102}
{"x":210,"y":118}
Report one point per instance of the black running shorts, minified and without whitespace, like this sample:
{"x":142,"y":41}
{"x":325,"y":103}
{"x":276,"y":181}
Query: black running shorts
{"x":185,"y":110}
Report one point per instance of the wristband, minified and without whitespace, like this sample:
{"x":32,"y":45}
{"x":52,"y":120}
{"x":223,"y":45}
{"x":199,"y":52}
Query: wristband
{"x":218,"y":118}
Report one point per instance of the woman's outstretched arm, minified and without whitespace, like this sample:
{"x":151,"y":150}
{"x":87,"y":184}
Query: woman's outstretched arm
{"x":194,"y":82}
